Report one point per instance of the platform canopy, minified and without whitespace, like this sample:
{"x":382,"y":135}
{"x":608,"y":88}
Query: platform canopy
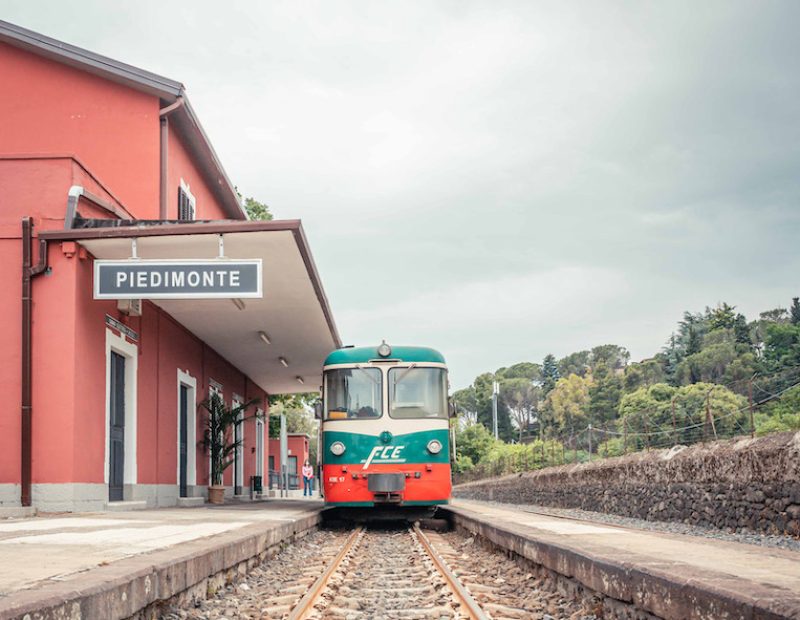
{"x":293,"y":313}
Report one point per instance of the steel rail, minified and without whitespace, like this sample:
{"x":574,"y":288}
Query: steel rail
{"x":465,"y":600}
{"x":306,"y":604}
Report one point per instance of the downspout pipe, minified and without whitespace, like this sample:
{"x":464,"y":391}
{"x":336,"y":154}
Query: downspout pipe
{"x":163,"y":115}
{"x":29,"y":271}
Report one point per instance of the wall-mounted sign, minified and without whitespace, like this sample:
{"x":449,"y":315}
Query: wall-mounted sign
{"x":122,"y":328}
{"x":177,"y":279}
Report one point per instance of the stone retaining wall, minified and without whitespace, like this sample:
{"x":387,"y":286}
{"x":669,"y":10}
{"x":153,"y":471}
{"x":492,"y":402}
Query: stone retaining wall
{"x":745,"y":484}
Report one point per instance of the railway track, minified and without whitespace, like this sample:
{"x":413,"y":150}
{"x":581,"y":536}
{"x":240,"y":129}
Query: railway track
{"x":398,"y":574}
{"x":386,"y":575}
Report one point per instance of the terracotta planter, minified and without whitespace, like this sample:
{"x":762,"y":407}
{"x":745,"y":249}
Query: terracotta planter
{"x":216,"y":494}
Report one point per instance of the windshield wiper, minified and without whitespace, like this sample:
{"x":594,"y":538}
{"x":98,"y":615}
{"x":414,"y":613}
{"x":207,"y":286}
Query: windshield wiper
{"x":374,"y":380}
{"x":403,"y":376}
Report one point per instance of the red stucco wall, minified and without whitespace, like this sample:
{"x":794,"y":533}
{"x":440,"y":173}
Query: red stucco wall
{"x":180,"y":167}
{"x":64,"y":127}
{"x":297,"y":446}
{"x":48,"y":107}
{"x":51,"y":108}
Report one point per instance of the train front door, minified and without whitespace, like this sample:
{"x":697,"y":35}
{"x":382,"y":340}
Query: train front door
{"x":116,"y":427}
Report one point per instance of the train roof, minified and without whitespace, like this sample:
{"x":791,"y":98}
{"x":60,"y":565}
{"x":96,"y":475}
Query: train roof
{"x":361,"y":355}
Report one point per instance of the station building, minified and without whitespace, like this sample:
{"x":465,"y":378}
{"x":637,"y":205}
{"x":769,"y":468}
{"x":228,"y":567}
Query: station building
{"x":100,"y":160}
{"x":298,"y":449}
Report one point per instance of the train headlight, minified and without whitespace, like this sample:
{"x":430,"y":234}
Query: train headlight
{"x":434,"y":446}
{"x":337,"y":447}
{"x":384,"y":350}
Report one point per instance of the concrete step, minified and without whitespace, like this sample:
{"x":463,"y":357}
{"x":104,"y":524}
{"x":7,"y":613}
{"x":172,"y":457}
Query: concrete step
{"x":189,"y":502}
{"x":17,"y":512}
{"x":126,"y":505}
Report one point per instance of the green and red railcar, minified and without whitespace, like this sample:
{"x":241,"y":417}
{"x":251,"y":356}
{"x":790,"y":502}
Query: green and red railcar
{"x":385,"y":435}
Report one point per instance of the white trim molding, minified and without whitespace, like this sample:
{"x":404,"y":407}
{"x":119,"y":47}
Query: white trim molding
{"x":186,"y":379}
{"x":130,"y":352}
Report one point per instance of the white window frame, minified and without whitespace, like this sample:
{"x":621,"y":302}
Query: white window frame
{"x":184,"y":187}
{"x":121,"y":346}
{"x":186,"y":379}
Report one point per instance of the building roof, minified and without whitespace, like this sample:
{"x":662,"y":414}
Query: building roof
{"x":293,"y":313}
{"x":362,"y":355}
{"x":168,"y":91}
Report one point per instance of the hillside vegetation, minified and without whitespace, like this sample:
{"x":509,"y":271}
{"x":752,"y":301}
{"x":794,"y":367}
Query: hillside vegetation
{"x":718,"y":375}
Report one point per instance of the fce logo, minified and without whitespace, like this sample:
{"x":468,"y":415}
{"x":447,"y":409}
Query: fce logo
{"x":384,"y":454}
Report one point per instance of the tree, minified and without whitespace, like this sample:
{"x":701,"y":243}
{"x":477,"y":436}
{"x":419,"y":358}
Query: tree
{"x":577,"y":363}
{"x":483,"y":392}
{"x":741,"y":330}
{"x":795,"y":311}
{"x":256,"y":210}
{"x":782,"y":345}
{"x":776,"y":315}
{"x":780,"y":415}
{"x":521,"y":397}
{"x":466,"y":401}
{"x":604,"y":395}
{"x":218,"y":432}
{"x":299,"y":419}
{"x":711,"y":364}
{"x":522,"y":370}
{"x":569,"y":403}
{"x":691,"y":322}
{"x":647,"y":413}
{"x":475,"y":441}
{"x":303,"y":400}
{"x":694,"y":344}
{"x":633,"y":378}
{"x":549,"y":373}
{"x":758,"y":328}
{"x":721,"y":317}
{"x":670,"y":357}
{"x":643,"y":374}
{"x":612,"y":355}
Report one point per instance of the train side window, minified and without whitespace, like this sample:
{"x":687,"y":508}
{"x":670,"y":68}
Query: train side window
{"x":353,"y":393}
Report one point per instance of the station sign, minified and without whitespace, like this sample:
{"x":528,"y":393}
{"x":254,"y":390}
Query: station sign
{"x":177,"y":279}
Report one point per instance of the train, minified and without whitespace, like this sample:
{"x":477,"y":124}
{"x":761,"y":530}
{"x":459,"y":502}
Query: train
{"x":385,"y":430}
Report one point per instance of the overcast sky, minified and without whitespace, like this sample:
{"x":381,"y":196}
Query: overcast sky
{"x":499,"y":180}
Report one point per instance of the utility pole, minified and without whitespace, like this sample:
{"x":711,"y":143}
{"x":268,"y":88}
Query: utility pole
{"x":590,"y":442}
{"x":284,"y":471}
{"x":495,"y":393}
{"x":625,"y":434}
{"x":750,"y":399}
{"x":709,"y":417}
{"x":674,"y":426}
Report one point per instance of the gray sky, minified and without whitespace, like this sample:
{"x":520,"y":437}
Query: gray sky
{"x":499,"y":180}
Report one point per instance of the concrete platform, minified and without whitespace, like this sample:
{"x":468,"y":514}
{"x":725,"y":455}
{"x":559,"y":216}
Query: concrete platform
{"x":115,"y":564}
{"x":668,"y":575}
{"x":17,"y":512}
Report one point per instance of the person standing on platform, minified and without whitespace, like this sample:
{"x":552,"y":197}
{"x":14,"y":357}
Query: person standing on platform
{"x":308,"y":479}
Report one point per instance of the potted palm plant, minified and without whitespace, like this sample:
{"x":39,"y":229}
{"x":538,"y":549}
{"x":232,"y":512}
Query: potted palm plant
{"x":219,"y":439}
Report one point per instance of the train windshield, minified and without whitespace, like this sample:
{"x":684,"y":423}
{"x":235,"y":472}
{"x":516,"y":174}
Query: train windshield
{"x":418,"y":392}
{"x":353,"y":393}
